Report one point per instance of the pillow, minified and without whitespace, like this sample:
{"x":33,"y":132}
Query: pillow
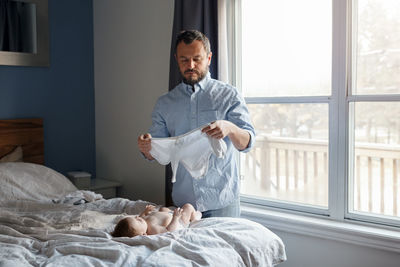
{"x":14,"y":156}
{"x":29,"y":181}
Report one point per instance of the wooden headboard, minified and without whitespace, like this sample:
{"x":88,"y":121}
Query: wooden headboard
{"x":27,"y":133}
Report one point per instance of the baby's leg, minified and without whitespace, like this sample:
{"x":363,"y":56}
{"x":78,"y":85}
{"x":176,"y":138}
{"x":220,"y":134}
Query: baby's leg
{"x":189,"y":214}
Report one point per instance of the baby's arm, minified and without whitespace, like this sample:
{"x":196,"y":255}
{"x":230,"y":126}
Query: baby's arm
{"x":147,"y":210}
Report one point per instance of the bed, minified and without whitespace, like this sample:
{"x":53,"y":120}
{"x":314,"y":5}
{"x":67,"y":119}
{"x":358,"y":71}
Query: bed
{"x":46,"y":221}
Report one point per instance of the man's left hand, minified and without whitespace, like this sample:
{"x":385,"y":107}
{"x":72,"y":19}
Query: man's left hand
{"x":218,"y":129}
{"x":222,"y":128}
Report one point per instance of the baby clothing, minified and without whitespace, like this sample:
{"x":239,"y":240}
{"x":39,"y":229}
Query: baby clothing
{"x":192,"y":149}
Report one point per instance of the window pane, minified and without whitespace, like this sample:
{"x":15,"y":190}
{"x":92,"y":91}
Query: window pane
{"x":286,"y":47}
{"x":376,"y":158}
{"x":378,"y":47}
{"x":289,"y":161}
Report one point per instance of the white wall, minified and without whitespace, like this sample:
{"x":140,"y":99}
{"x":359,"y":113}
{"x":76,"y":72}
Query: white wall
{"x":132,"y":40}
{"x":308,"y":251}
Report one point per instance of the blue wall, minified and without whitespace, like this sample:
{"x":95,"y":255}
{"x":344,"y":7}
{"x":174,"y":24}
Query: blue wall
{"x":62,"y":94}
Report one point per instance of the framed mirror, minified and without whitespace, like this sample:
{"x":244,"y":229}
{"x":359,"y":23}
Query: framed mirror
{"x":24,"y":33}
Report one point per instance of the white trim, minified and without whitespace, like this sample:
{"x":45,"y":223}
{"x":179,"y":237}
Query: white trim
{"x":283,"y":205}
{"x":226,"y":41}
{"x":223,"y":61}
{"x":338,"y":114}
{"x":237,"y":64}
{"x":349,"y":232}
{"x":373,"y":98}
{"x":288,"y":99}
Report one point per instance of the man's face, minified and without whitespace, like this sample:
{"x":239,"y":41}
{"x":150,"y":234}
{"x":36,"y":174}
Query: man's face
{"x":193,"y":61}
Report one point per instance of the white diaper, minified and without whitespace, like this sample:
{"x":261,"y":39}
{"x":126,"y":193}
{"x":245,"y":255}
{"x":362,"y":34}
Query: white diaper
{"x":192,"y":149}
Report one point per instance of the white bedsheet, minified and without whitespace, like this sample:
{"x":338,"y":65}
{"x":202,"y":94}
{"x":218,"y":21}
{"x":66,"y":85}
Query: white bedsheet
{"x":46,"y":234}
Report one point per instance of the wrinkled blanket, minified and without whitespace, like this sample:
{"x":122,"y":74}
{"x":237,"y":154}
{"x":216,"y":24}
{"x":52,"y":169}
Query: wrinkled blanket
{"x":48,"y":234}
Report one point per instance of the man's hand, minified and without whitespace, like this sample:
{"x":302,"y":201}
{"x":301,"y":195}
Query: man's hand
{"x":222,"y":128}
{"x":144,"y":144}
{"x":218,"y":129}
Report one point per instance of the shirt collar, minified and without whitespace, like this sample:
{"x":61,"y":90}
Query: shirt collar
{"x":201,"y":85}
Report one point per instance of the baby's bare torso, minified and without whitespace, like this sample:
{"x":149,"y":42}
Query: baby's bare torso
{"x":157,"y":218}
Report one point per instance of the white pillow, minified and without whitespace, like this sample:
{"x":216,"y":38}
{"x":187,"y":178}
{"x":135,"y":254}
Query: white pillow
{"x":14,"y":156}
{"x":29,"y":181}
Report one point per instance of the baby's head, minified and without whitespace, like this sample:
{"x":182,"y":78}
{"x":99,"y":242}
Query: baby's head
{"x":130,"y":227}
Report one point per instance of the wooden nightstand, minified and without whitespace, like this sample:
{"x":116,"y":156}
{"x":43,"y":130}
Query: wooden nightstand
{"x":105,"y":187}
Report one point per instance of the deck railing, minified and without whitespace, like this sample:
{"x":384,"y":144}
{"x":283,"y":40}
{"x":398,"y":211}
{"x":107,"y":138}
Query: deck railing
{"x":280,"y":166}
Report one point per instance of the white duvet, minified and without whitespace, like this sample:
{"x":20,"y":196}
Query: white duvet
{"x":35,"y":230}
{"x":40,"y":234}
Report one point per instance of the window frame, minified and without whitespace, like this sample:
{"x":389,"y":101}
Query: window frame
{"x":350,"y":98}
{"x":340,"y":143}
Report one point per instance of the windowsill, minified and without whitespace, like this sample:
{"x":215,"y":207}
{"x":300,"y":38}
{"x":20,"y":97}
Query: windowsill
{"x":363,"y":235}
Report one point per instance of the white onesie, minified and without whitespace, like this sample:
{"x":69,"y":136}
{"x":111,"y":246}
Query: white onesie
{"x":192,"y":149}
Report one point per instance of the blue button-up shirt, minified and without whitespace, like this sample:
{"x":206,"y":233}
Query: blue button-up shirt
{"x":181,"y":110}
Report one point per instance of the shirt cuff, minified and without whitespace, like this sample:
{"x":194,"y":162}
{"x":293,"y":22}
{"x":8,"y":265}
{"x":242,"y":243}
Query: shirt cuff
{"x":251,"y":142}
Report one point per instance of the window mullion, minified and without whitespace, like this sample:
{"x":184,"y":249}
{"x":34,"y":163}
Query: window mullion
{"x":338,"y":114}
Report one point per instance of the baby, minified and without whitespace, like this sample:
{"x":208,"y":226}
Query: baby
{"x":151,"y":222}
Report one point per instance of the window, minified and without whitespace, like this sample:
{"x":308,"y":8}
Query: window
{"x":324,"y":97}
{"x":374,"y":111}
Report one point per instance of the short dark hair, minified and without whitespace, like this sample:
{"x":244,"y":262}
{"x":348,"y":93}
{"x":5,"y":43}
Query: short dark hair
{"x":124,"y":228}
{"x":188,"y":36}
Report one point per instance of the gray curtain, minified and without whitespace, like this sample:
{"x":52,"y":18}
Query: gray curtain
{"x":201,"y":15}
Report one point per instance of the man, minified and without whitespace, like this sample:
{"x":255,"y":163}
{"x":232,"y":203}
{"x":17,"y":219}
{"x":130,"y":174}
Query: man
{"x":196,"y":101}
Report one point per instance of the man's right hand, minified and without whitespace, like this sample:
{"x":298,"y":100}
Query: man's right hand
{"x":144,"y":144}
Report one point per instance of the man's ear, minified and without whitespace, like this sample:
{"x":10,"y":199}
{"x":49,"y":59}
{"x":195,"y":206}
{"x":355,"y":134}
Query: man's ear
{"x":209,"y":58}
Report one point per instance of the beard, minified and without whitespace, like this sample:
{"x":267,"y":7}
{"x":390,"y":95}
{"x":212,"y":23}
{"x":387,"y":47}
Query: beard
{"x":200,"y":76}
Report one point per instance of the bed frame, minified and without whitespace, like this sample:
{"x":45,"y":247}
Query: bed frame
{"x":27,"y":133}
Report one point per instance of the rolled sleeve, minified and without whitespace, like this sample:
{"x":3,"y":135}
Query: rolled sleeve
{"x":251,"y":142}
{"x":239,"y":115}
